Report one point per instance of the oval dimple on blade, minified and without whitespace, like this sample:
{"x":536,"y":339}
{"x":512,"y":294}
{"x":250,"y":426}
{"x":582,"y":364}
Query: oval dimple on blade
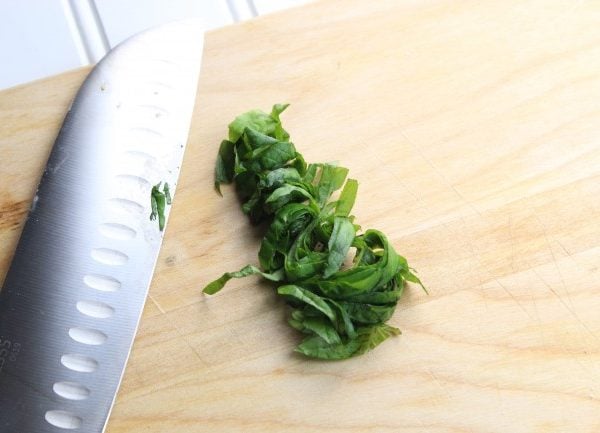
{"x":108,"y":256}
{"x":149,"y":140}
{"x":133,"y":181}
{"x":117,"y":231}
{"x":137,"y":162}
{"x":95,"y":309}
{"x":126,"y":205}
{"x":63,"y":419}
{"x":91,"y":337}
{"x":71,"y":390}
{"x":79,"y":363}
{"x":103,"y":283}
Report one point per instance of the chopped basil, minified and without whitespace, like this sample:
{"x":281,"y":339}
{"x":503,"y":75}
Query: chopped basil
{"x":158,"y":201}
{"x":341,"y":308}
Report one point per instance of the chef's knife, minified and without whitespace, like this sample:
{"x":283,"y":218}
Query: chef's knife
{"x":73,"y":296}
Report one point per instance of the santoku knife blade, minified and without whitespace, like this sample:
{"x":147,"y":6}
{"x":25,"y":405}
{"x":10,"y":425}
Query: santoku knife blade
{"x":73,"y":296}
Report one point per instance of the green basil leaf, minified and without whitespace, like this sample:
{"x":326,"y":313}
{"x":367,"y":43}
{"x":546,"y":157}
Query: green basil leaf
{"x":158,"y":202}
{"x":323,"y":328}
{"x":306,"y":267}
{"x":339,"y":244}
{"x":345,"y":203}
{"x":291,"y":220}
{"x":246,"y":184}
{"x":368,"y":314}
{"x":275,"y":155}
{"x":311,"y":173}
{"x":372,"y":336}
{"x":302,"y":261}
{"x":225,"y":164}
{"x":410,"y":276}
{"x":376,"y":298}
{"x":299,"y":164}
{"x":268,"y":124}
{"x":216,"y":285}
{"x":389,"y":262}
{"x":279,"y":133}
{"x":297,"y":325}
{"x":344,"y":321}
{"x":280,"y":176}
{"x":331,"y":179}
{"x":167,"y":193}
{"x":368,"y":338}
{"x":317,"y":347}
{"x":286,"y":194}
{"x":298,"y":293}
{"x":348,"y":282}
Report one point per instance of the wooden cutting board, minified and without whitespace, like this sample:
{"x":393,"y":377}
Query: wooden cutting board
{"x":474,"y":130}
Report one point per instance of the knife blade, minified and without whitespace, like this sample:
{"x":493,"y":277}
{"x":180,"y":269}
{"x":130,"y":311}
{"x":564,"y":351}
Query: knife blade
{"x":73,"y":295}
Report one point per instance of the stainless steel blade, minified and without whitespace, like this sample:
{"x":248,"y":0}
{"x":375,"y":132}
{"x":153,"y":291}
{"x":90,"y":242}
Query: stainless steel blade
{"x":73,"y":296}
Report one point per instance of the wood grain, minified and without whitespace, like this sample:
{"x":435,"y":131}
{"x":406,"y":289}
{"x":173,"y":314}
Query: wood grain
{"x":474,"y":130}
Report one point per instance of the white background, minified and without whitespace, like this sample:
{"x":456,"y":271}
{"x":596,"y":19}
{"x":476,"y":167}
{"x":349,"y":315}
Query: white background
{"x":39,"y":38}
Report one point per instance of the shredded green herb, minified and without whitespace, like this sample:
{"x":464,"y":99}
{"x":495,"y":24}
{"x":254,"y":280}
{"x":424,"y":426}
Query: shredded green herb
{"x":158,"y":201}
{"x":341,"y":308}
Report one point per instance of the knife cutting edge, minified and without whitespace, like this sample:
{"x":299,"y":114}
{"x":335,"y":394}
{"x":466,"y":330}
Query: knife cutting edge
{"x":73,"y":295}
